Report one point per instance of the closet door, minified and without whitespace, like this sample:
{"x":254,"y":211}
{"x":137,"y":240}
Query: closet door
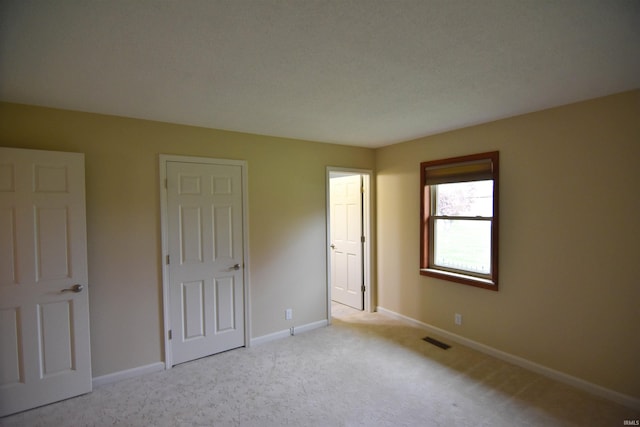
{"x":45,"y":353}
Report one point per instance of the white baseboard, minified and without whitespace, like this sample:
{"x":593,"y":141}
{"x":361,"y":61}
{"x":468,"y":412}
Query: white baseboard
{"x":129,"y":373}
{"x":160,"y":366}
{"x":286,"y":332}
{"x":595,"y":389}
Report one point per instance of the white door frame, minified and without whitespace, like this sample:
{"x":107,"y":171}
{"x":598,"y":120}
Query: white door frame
{"x":164,"y":158}
{"x":367,"y":225}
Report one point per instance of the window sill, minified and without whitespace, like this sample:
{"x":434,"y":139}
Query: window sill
{"x":460,"y":278}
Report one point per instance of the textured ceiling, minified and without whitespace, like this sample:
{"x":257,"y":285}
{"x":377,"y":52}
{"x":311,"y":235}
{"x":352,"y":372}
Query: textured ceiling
{"x":359,"y":72}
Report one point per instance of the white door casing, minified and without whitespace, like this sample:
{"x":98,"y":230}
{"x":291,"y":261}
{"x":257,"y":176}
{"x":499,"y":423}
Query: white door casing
{"x":346,"y":240}
{"x":45,"y":353}
{"x":205,"y":248}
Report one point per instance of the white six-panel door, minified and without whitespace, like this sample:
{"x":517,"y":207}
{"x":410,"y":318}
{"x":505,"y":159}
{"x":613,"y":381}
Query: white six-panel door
{"x":346,"y":244}
{"x":205,"y":248}
{"x":45,"y":352}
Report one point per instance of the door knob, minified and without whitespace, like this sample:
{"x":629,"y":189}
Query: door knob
{"x":75,"y":288}
{"x":236,"y":267}
{"x":333,"y":246}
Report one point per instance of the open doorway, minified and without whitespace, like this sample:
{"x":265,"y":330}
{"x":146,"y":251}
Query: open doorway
{"x":349,"y":238}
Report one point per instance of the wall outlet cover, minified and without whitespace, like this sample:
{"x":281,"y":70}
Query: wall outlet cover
{"x":458,"y":319}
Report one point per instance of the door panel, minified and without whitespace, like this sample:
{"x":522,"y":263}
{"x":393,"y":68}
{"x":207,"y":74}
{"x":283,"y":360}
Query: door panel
{"x":44,"y":332}
{"x":52,"y":246}
{"x":206,"y":290}
{"x":223,"y":232}
{"x":12,"y":359}
{"x":8,"y":245}
{"x":190,"y":234}
{"x":192,"y":310}
{"x":225,"y":306}
{"x":346,"y":244}
{"x":55,"y":337}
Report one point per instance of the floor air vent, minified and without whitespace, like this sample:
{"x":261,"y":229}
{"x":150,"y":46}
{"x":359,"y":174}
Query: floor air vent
{"x":436,"y":343}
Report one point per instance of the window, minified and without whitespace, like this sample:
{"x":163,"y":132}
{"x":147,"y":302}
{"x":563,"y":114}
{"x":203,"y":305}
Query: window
{"x":459,"y":211}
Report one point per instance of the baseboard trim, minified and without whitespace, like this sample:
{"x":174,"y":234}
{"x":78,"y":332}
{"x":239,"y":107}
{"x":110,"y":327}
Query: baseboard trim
{"x":286,"y":332}
{"x":128,"y":373}
{"x":159,"y":366}
{"x":579,"y":383}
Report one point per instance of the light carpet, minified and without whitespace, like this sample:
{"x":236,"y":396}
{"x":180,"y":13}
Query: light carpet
{"x":364,"y":370}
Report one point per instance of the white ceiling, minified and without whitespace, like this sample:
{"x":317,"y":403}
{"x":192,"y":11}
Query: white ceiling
{"x":357,"y":72}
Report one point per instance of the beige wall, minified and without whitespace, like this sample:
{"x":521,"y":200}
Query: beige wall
{"x":569,"y":288}
{"x":287,"y":229}
{"x":569,"y":294}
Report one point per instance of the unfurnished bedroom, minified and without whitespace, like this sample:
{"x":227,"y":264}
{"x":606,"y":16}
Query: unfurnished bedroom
{"x":319,"y":213}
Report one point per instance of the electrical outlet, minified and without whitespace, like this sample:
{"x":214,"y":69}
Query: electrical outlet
{"x":288,"y":314}
{"x":458,"y":319}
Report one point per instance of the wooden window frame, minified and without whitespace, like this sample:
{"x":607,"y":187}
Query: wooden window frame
{"x":426,"y":222}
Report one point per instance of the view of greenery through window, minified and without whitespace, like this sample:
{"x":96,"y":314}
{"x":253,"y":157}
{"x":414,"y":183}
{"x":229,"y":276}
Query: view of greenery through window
{"x":463,"y":212}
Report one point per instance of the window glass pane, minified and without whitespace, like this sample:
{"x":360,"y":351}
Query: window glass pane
{"x":473,"y":198}
{"x":463,"y":245}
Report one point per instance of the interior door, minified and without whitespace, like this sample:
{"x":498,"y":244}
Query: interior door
{"x":206,"y":271}
{"x":45,"y":353}
{"x":345,"y":198}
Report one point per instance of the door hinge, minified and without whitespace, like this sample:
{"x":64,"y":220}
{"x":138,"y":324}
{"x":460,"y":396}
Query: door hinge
{"x":166,"y":183}
{"x":168,"y":259}
{"x":362,"y":239}
{"x":170,"y":335}
{"x":363,"y":288}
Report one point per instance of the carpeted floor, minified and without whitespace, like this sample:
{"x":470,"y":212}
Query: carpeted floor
{"x":364,"y":370}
